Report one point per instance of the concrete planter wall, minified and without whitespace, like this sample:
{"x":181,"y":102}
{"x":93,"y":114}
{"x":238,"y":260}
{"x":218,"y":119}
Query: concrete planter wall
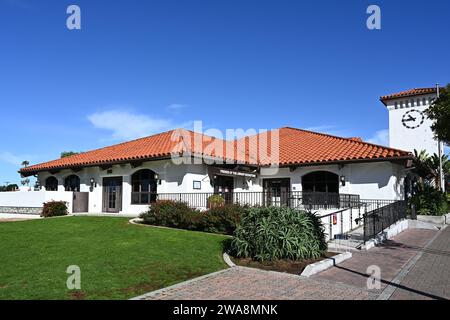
{"x":435,"y":219}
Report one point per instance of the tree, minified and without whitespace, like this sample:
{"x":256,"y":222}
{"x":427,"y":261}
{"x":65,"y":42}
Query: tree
{"x":426,"y":168}
{"x":9,"y":187}
{"x":25,"y":163}
{"x":12,"y":187}
{"x":66,"y":154}
{"x":439,"y":112}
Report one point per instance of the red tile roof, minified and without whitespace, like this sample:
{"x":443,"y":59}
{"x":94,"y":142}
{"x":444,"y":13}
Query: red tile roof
{"x":408,"y":93}
{"x":296,"y":146}
{"x":303,"y":147}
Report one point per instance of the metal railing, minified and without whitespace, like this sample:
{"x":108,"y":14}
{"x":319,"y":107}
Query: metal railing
{"x":292,"y":199}
{"x":380,"y":214}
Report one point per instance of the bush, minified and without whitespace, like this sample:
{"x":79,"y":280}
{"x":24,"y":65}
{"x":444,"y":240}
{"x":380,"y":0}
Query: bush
{"x":54,"y":209}
{"x":273,"y":233}
{"x":179,"y":215}
{"x":430,"y":201}
{"x":215,"y":200}
{"x":171,"y":214}
{"x":223,"y":219}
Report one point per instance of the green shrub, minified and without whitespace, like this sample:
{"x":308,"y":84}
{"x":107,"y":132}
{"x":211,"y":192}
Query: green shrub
{"x":54,"y":209}
{"x":429,"y":201}
{"x":215,"y":200}
{"x":173,"y":214}
{"x":223,"y":219}
{"x":273,"y":233}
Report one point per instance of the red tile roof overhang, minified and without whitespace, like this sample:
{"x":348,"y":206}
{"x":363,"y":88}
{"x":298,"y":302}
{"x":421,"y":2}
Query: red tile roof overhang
{"x":297,"y":147}
{"x":407,"y":93}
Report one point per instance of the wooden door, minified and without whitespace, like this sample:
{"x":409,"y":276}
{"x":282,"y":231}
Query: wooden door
{"x":80,"y":202}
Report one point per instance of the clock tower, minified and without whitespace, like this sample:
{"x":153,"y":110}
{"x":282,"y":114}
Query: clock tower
{"x":409,"y":127}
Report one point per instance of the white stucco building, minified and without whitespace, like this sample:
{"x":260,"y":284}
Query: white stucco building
{"x":283,"y":166}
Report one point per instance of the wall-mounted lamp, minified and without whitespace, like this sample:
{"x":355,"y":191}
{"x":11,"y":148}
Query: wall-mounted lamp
{"x":93,"y":184}
{"x":37,"y":185}
{"x":342,"y":178}
{"x":157,"y":178}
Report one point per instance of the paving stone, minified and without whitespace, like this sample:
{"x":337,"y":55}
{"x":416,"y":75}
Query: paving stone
{"x":347,"y":281}
{"x":430,"y":276}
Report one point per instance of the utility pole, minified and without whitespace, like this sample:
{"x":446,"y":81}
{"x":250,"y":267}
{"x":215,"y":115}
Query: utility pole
{"x":441,"y":171}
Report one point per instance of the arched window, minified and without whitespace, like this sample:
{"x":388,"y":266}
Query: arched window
{"x":51,"y":184}
{"x":144,"y":187}
{"x":72,"y":183}
{"x":320,"y":181}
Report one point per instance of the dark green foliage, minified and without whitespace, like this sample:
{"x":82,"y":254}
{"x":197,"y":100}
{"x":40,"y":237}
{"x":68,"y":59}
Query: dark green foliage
{"x":273,"y":233}
{"x":216,"y":200}
{"x":429,"y":201}
{"x":66,"y":154}
{"x":221,"y":219}
{"x":171,"y":214}
{"x":9,"y":187}
{"x":54,"y":209}
{"x":439,"y":112}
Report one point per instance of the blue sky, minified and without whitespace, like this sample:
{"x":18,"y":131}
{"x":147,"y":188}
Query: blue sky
{"x":139,"y":67}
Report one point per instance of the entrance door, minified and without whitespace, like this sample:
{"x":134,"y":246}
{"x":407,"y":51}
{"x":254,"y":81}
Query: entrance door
{"x":224,"y":186}
{"x":277,"y":191}
{"x":112,"y":194}
{"x":80,"y":202}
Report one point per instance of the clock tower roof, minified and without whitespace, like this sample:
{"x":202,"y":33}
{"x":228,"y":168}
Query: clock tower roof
{"x":407,"y":93}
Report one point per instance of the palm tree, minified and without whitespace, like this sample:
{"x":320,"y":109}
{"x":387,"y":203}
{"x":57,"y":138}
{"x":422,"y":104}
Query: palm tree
{"x":25,"y":163}
{"x":426,"y":168}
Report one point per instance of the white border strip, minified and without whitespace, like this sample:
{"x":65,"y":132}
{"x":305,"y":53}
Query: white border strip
{"x":325,"y":264}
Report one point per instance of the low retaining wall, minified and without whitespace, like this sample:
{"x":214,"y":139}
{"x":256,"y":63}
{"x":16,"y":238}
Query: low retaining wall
{"x":445,"y":219}
{"x":21,"y":210}
{"x":31,"y":202}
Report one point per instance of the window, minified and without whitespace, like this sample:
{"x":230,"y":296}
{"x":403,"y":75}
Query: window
{"x":51,"y":184}
{"x":320,"y":181}
{"x":72,"y":183}
{"x":144,"y":187}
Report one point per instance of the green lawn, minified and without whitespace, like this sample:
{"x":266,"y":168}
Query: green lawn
{"x":117,"y":260}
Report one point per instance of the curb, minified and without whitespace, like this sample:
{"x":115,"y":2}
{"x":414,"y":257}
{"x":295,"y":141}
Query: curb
{"x":136,"y":221}
{"x":227,"y":260}
{"x":325,"y":264}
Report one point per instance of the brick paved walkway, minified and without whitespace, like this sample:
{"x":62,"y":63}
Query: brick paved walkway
{"x":430,"y":276}
{"x":240,"y":283}
{"x":346,"y":281}
{"x":391,"y":257}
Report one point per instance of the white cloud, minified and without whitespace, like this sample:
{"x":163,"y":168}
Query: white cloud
{"x":176,"y":107}
{"x":126,"y":125}
{"x":380,"y":137}
{"x":10,"y":158}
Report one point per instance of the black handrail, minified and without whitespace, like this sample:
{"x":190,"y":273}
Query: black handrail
{"x":383,"y":214}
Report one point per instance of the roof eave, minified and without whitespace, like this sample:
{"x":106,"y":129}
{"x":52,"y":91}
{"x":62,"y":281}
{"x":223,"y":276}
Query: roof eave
{"x":319,"y":163}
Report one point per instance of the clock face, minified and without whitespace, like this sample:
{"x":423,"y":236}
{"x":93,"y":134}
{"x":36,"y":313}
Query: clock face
{"x":413,"y":119}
